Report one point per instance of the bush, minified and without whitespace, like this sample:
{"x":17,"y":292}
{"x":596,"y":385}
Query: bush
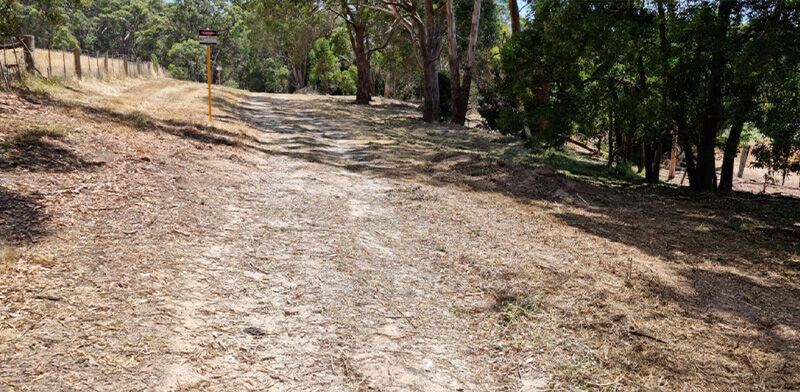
{"x":345,"y":81}
{"x":64,"y":40}
{"x":187,"y":61}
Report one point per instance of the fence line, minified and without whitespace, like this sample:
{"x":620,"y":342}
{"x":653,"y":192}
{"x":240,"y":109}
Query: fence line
{"x":20,"y":58}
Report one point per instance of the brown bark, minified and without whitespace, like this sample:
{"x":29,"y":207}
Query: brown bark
{"x":461,"y":85}
{"x":706,"y":177}
{"x":673,"y":156}
{"x":299,"y":77}
{"x":731,"y":149}
{"x":359,"y":41}
{"x":652,"y":162}
{"x":743,"y":161}
{"x":430,"y":92}
{"x":427,"y":32}
{"x":513,"y":10}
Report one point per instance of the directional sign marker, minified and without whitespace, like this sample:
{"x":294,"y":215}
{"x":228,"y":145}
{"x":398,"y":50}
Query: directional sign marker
{"x":208,"y":38}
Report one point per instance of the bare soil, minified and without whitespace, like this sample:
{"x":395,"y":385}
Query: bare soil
{"x":306,"y":243}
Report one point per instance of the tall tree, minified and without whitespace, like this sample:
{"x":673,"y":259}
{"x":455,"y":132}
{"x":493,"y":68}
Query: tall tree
{"x":361,"y":21}
{"x":513,"y":14}
{"x":425,"y":22}
{"x":294,"y":27}
{"x":461,"y":86}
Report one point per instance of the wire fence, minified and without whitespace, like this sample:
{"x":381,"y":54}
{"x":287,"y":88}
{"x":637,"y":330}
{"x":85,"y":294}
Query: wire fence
{"x":68,"y":65}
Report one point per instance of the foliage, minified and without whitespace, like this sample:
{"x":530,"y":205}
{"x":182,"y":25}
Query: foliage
{"x":64,"y":40}
{"x":323,"y":64}
{"x":186,"y":60}
{"x":630,"y":74}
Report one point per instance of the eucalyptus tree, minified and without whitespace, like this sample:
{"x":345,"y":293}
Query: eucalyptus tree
{"x":425,"y":22}
{"x":290,"y":29}
{"x":368,"y":32}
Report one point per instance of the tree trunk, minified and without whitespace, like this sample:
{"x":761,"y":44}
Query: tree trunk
{"x":652,"y":162}
{"x":461,"y":86}
{"x":731,"y":149}
{"x":431,"y":111}
{"x":513,"y":11}
{"x":388,"y":86}
{"x":706,"y":171}
{"x":364,"y":76}
{"x":610,"y":140}
{"x":743,"y":161}
{"x":431,"y":41}
{"x":673,"y":156}
{"x":427,"y":32}
{"x":299,"y":77}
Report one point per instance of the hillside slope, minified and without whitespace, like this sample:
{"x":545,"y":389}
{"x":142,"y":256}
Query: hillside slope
{"x":305,"y":243}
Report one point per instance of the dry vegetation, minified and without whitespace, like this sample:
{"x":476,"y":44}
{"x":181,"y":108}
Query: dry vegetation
{"x":305,"y":243}
{"x":61,"y":64}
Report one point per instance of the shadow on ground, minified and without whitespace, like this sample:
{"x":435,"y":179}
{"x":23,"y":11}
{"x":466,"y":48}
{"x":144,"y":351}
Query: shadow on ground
{"x":749,"y":235}
{"x":21,"y":217}
{"x":38,"y":149}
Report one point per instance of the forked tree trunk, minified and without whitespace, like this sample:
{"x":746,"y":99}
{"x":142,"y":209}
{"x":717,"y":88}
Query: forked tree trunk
{"x":299,"y":78}
{"x":461,"y":85}
{"x":427,"y":32}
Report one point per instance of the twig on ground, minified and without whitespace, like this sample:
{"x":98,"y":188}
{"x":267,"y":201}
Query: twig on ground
{"x":644,"y":335}
{"x":605,"y":384}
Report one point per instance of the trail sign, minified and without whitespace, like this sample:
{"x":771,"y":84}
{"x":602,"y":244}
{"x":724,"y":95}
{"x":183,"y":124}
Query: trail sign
{"x":207,"y":37}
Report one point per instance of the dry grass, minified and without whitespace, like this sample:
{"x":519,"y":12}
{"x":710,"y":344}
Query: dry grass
{"x":61,"y":64}
{"x":375,"y":251}
{"x":8,"y":256}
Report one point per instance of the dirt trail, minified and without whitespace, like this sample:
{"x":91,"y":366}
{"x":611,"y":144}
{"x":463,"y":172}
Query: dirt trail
{"x":303,"y":243}
{"x":261,"y":272}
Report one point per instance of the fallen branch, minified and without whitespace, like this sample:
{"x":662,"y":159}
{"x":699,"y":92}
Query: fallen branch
{"x":594,"y":151}
{"x":644,"y":335}
{"x":605,"y":384}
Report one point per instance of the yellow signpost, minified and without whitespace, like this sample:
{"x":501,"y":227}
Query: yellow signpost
{"x":208,"y":66}
{"x":208,"y":38}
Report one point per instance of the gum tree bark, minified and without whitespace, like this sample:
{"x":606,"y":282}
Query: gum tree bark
{"x":461,"y":85}
{"x":426,"y":31}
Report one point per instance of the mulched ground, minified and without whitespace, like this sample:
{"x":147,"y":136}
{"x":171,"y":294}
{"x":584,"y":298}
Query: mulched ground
{"x":305,"y":243}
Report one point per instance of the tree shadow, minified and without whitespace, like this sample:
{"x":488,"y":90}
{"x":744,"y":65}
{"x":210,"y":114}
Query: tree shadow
{"x":37,"y":149}
{"x":206,"y":134}
{"x":758,"y":314}
{"x":668,"y":222}
{"x":21,"y":217}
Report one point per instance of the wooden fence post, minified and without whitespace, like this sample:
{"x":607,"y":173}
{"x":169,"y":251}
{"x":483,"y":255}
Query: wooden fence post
{"x":16,"y":63}
{"x":89,"y":64}
{"x":28,"y":46}
{"x":125,"y":65}
{"x":76,"y":54}
{"x":64,"y":62}
{"x":105,"y":65}
{"x":49,"y":64}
